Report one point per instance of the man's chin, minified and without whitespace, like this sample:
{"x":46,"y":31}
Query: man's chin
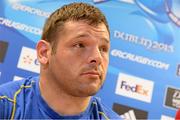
{"x":88,"y":92}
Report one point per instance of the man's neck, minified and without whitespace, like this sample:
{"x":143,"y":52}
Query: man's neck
{"x":61,"y":102}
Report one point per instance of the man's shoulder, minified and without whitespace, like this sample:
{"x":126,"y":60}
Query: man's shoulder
{"x":105,"y":110}
{"x":9,"y":89}
{"x":12,"y":94}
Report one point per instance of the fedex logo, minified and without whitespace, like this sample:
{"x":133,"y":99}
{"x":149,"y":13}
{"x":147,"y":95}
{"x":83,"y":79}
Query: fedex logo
{"x":134,"y":87}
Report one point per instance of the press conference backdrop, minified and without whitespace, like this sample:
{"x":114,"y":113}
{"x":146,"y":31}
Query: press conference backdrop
{"x":143,"y":80}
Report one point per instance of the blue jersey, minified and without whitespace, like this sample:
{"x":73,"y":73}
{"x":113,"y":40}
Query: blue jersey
{"x":22,"y":100}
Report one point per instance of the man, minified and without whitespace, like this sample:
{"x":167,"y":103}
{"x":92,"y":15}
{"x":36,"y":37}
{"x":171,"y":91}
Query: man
{"x":73,"y":56}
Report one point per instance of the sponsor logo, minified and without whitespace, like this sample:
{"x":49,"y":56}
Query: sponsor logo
{"x":31,"y":10}
{"x":17,"y":78}
{"x":20,"y":26}
{"x":178,"y":70}
{"x":28,"y":60}
{"x":172,"y":98}
{"x":164,"y":117}
{"x":134,"y":87}
{"x":139,"y":59}
{"x":3,"y":49}
{"x":129,"y":113}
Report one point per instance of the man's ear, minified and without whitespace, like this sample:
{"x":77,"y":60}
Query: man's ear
{"x":43,"y":49}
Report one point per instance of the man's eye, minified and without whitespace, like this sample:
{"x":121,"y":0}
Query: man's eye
{"x":79,"y":45}
{"x":103,"y":49}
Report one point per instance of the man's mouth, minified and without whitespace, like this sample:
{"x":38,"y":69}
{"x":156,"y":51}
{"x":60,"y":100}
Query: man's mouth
{"x":91,"y":74}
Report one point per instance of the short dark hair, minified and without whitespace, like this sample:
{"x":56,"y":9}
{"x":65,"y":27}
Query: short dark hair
{"x":71,"y":12}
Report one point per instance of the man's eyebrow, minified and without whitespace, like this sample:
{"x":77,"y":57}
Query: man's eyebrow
{"x":86,"y":35}
{"x":82,"y":35}
{"x":106,"y":40}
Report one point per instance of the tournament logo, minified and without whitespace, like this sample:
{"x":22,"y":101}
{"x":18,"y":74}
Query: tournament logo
{"x":3,"y":50}
{"x":28,"y":60}
{"x":172,"y":9}
{"x":172,"y":98}
{"x":129,"y":113}
{"x":134,"y":87}
{"x":163,"y":12}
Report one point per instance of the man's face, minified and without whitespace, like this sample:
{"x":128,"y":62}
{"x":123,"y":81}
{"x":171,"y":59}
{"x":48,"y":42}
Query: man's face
{"x":80,"y":62}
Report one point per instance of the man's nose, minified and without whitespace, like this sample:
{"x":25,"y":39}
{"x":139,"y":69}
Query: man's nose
{"x":95,"y":56}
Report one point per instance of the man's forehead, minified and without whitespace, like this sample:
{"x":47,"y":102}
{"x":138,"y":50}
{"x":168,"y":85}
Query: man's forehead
{"x":83,"y":29}
{"x":83,"y":24}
